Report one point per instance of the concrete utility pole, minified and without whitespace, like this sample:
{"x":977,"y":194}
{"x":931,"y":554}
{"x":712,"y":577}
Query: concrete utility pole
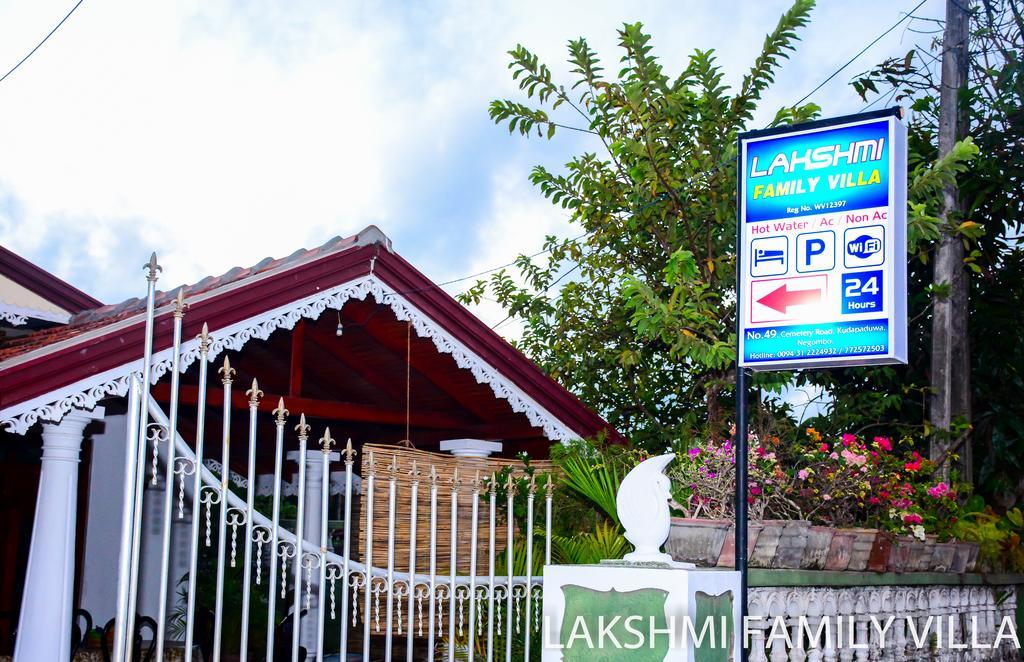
{"x":951,"y":354}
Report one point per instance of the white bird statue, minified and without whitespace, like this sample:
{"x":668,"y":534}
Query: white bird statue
{"x":642,"y":503}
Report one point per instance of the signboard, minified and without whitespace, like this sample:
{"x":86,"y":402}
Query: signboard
{"x":822,"y":244}
{"x":629,"y":612}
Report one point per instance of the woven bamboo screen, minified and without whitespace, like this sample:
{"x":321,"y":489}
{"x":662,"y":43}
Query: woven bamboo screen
{"x":445,"y":466}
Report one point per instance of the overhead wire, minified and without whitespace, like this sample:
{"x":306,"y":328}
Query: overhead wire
{"x":48,"y":35}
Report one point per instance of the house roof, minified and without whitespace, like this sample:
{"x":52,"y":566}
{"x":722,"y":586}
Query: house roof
{"x":45,"y":284}
{"x":101,"y":340}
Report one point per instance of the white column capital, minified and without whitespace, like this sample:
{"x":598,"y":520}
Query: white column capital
{"x":313,"y":457}
{"x":63,"y":440}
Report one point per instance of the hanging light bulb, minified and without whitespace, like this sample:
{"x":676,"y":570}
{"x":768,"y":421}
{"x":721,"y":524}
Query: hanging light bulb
{"x":340,"y":329}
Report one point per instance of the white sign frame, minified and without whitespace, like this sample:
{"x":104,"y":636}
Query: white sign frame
{"x":817,"y":333}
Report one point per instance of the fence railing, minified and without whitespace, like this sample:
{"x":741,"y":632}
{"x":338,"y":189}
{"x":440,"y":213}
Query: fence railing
{"x":845,"y":623}
{"x":482,"y":612}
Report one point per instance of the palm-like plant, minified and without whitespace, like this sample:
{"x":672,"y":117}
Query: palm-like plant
{"x":606,"y":542}
{"x":595,"y":476}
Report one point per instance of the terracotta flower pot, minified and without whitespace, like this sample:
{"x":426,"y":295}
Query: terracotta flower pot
{"x":916,"y":555}
{"x":727,"y":559}
{"x":819,"y":543}
{"x":960,"y":557}
{"x":864,"y":540}
{"x":840,"y":551}
{"x":899,"y":557}
{"x":697,"y":541}
{"x":792,"y":544}
{"x":767,"y":543}
{"x":942,"y":556}
{"x":972,"y":558}
{"x":878,"y":560}
{"x":924,"y":561}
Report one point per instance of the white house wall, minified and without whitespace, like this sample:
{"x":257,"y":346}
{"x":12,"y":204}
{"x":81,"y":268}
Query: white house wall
{"x":103,"y":530}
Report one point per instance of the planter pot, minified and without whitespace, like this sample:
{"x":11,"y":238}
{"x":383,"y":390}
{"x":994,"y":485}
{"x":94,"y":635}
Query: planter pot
{"x":840,"y":551}
{"x":878,"y":560}
{"x":819,"y":543}
{"x":727,"y":559}
{"x":924,"y":561}
{"x":697,"y":541}
{"x":864,"y":540}
{"x":899,"y":557}
{"x":961,"y":556}
{"x":916,"y":554}
{"x":767,"y":543}
{"x":972,"y":558}
{"x":792,"y":544}
{"x":942,"y":556}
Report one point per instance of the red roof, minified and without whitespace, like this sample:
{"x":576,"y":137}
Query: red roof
{"x":45,"y":284}
{"x":103,"y":338}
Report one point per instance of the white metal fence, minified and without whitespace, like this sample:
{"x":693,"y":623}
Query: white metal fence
{"x":383,"y":605}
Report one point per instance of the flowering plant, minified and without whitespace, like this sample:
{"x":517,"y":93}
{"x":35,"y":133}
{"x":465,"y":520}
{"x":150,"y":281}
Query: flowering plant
{"x":704,"y":481}
{"x":852,"y":481}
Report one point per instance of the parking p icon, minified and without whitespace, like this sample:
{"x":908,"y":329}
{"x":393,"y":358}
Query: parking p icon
{"x":815,"y":251}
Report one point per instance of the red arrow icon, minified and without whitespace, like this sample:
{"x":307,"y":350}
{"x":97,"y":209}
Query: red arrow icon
{"x":782,"y":297}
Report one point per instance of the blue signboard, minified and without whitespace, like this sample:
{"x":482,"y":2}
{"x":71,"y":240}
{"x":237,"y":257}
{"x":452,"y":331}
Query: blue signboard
{"x":822,"y":244}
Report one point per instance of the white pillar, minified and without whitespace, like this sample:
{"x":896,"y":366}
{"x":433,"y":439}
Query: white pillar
{"x":311,"y":532}
{"x":44,"y":627}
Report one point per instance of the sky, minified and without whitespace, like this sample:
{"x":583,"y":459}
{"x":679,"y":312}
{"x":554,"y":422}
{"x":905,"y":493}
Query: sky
{"x":220,"y":133}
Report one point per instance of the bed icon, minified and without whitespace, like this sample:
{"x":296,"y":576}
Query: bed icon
{"x":769,"y":256}
{"x":762,"y":255}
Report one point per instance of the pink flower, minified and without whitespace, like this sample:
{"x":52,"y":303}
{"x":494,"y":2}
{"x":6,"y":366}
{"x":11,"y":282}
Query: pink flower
{"x":833,"y":455}
{"x":912,"y":518}
{"x":826,"y":497}
{"x":848,"y":439}
{"x":802,"y":474}
{"x":874,"y":501}
{"x":938,"y":491}
{"x":694,"y":452}
{"x":755,"y":490}
{"x":823,"y":448}
{"x":884,"y":443}
{"x":853,"y":458}
{"x":913,"y":466}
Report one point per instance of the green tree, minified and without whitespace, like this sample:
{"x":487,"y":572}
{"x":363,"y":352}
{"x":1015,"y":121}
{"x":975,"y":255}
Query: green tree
{"x":894,"y":399}
{"x":642,"y":328}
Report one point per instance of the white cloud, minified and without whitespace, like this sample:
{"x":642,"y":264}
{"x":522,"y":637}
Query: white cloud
{"x":220,"y":133}
{"x":517,"y":223}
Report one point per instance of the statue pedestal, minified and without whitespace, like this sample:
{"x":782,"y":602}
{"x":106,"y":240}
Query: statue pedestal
{"x":618,"y":611}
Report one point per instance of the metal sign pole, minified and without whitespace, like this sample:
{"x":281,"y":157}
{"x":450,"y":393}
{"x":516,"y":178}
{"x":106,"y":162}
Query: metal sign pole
{"x":741,"y":425}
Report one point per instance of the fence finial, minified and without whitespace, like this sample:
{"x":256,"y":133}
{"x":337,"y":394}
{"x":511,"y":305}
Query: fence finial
{"x":179,"y":303}
{"x":254,"y":394}
{"x":204,"y":340}
{"x":511,"y":487}
{"x":227,"y":371}
{"x":152,"y":268}
{"x":281,"y":413}
{"x":493,"y":487}
{"x":326,"y":442}
{"x":302,"y":428}
{"x":415,"y":472}
{"x":549,"y":488}
{"x":456,"y":483}
{"x":349,"y":451}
